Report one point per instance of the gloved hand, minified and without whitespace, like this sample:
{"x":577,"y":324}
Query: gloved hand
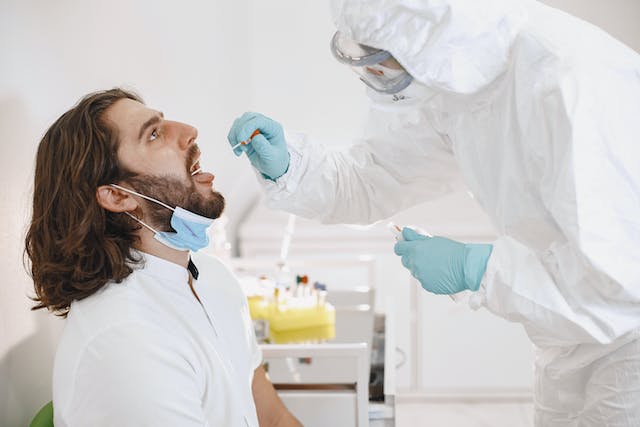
{"x":267,"y":151}
{"x":441,"y":265}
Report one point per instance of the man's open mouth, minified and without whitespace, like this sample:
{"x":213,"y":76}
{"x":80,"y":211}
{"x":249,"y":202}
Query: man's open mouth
{"x":195,"y":167}
{"x":195,"y":170}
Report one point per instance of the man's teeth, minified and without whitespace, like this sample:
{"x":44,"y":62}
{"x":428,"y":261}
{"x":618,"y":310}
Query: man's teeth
{"x":195,"y":168}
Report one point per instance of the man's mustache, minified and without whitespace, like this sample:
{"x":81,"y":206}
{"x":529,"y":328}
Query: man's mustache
{"x":191,"y":156}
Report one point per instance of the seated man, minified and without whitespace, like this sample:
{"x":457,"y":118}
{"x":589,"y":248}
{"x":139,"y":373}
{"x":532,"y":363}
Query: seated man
{"x":152,"y":337}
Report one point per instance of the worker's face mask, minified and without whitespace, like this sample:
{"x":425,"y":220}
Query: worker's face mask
{"x":376,"y":67}
{"x":190,"y":228}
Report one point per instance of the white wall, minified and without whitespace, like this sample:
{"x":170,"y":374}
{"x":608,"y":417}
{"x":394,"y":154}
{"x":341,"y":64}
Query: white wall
{"x":294,"y":76}
{"x":618,"y":17}
{"x":203,"y":62}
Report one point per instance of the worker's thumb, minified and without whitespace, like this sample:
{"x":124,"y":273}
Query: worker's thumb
{"x":261,"y":146}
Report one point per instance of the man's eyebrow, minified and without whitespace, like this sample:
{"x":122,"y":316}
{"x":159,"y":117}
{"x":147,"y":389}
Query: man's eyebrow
{"x":152,"y":121}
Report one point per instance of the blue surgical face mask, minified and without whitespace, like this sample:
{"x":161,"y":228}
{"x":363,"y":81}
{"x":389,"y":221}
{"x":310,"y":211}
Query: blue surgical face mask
{"x":191,"y":228}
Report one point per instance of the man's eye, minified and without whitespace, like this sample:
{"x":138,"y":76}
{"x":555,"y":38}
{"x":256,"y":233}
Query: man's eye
{"x":154,"y":134}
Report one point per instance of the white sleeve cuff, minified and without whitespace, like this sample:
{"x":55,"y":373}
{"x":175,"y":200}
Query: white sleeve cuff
{"x":288,"y":183}
{"x":479,"y":298}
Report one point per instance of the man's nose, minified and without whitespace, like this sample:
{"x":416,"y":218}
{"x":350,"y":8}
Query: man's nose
{"x":187,"y":137}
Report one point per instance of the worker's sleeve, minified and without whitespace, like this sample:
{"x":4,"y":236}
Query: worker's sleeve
{"x":136,"y":375}
{"x":402,"y":161}
{"x":584,"y":286}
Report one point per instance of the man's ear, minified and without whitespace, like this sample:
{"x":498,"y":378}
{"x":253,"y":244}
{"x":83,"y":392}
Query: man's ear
{"x":115,"y":200}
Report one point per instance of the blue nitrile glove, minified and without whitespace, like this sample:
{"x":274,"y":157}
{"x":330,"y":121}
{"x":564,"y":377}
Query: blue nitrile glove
{"x":441,"y":265}
{"x":267,"y":151}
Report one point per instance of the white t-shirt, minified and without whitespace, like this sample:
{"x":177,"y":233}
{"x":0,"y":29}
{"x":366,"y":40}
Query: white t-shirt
{"x":145,"y":352}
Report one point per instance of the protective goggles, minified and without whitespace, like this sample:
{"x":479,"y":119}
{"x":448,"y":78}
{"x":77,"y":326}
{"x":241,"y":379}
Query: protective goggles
{"x":376,"y":67}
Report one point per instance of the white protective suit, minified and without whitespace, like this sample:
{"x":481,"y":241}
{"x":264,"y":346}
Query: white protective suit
{"x":538,"y":113}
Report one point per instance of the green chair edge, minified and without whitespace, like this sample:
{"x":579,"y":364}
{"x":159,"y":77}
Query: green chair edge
{"x":44,"y":417}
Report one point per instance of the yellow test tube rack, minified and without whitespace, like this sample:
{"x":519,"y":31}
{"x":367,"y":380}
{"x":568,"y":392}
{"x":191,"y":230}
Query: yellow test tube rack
{"x":291,"y":322}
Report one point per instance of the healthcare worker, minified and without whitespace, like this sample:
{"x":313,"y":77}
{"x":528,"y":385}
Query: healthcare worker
{"x":538,"y":114}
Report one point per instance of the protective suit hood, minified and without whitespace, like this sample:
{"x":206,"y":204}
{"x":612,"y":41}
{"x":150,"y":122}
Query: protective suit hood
{"x":453,"y":45}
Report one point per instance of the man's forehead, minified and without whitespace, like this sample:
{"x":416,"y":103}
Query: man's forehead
{"x":127,"y":115}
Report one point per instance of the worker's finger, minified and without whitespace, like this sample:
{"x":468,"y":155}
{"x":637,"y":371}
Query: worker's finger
{"x":410,"y":234}
{"x":249,"y":127}
{"x":406,"y":263}
{"x":268,"y":127}
{"x":261,"y":146}
{"x":249,"y":150}
{"x":237,"y":126}
{"x":231,"y":137}
{"x":239,"y":149}
{"x":401,"y":248}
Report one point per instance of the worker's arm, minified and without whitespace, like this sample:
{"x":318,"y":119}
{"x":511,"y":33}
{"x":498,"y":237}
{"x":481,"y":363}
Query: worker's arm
{"x":402,"y":161}
{"x":271,"y":411}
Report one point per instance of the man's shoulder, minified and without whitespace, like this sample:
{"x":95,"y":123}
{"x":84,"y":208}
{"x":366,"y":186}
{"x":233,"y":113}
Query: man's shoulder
{"x":218,"y":281}
{"x":202,"y":258}
{"x":213,"y":268}
{"x":112,"y":296}
{"x":115,"y":306}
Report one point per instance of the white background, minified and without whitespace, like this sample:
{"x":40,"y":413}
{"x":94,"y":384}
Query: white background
{"x":203,"y":62}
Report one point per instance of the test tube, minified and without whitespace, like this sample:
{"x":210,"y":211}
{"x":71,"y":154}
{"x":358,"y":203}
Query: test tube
{"x":397,"y":231}
{"x":255,"y":132}
{"x":276,"y":298}
{"x":321,"y":293}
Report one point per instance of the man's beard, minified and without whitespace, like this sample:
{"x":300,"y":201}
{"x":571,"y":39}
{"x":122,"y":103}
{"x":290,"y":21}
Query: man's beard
{"x":173,"y":192}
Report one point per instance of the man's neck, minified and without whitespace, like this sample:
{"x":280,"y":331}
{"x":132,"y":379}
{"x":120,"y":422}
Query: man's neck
{"x":153,"y":247}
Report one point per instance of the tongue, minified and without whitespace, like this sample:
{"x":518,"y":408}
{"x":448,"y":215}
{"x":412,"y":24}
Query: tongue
{"x":203,"y":178}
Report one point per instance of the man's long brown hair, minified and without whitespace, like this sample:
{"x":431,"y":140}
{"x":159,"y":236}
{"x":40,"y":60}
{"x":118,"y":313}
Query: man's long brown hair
{"x":74,"y":245}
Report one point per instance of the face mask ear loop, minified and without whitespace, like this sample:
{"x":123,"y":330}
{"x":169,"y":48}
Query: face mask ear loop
{"x":141,"y":222}
{"x":143,"y":196}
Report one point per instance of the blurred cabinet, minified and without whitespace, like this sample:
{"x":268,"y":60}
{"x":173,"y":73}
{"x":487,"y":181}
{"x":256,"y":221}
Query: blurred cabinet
{"x":321,"y":384}
{"x":440,"y":349}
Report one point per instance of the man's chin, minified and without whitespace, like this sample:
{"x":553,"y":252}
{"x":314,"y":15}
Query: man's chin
{"x":219,"y":208}
{"x":210,"y":206}
{"x":192,"y":196}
